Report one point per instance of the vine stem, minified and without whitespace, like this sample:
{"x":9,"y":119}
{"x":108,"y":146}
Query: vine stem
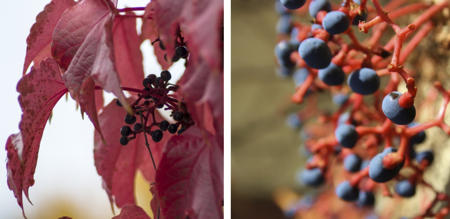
{"x":131,"y":9}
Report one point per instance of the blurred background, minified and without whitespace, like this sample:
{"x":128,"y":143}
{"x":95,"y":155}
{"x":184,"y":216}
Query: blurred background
{"x":266,"y":154}
{"x":66,"y":181}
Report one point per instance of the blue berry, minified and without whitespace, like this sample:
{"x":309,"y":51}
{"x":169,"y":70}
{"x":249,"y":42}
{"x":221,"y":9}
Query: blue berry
{"x":315,"y":52}
{"x":318,"y":5}
{"x":425,"y":155}
{"x":352,"y":163}
{"x":311,"y":177}
{"x":405,"y":188}
{"x":346,"y":135}
{"x":377,"y":172}
{"x":395,"y":112}
{"x":280,"y":8}
{"x":343,"y":118}
{"x":293,"y":121}
{"x":300,"y":76}
{"x":292,"y":4}
{"x":340,"y":99}
{"x":294,"y":34}
{"x":284,"y":25}
{"x":335,"y":22}
{"x":366,"y":199}
{"x":347,"y":192}
{"x":359,"y":18}
{"x":332,"y":75}
{"x":364,"y":81}
{"x":283,"y":52}
{"x":417,"y":138}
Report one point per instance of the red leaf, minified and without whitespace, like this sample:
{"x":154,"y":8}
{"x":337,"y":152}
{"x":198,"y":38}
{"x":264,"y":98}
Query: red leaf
{"x":189,"y":179}
{"x":117,"y":164}
{"x":40,"y":37}
{"x":150,"y":31}
{"x":87,"y":101}
{"x":39,"y":91}
{"x":82,"y":44}
{"x":132,"y":212}
{"x":128,"y":56}
{"x":99,"y":101}
{"x":200,"y":22}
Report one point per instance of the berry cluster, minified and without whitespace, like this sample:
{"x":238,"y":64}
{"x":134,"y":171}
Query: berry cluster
{"x":155,"y":95}
{"x":372,"y":132}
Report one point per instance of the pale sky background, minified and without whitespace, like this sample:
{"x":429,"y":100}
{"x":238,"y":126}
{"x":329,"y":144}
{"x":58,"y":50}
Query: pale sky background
{"x":65,"y":170}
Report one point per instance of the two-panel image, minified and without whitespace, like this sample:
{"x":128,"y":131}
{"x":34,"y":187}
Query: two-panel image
{"x":211,"y":109}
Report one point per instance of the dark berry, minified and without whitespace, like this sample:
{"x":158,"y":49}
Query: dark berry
{"x":172,"y":128}
{"x":366,"y":198}
{"x":352,"y":163}
{"x":137,"y":127}
{"x":165,"y":75}
{"x":346,"y":135}
{"x":182,"y":129}
{"x":397,"y":114}
{"x":311,"y":177}
{"x":125,"y":130}
{"x":379,"y":173}
{"x":182,"y":52}
{"x":405,"y":188}
{"x":151,"y":78}
{"x":130,"y":119}
{"x":146,"y":83}
{"x":164,"y":125}
{"x":347,"y":192}
{"x":123,"y":140}
{"x":156,"y":135}
{"x":178,"y":116}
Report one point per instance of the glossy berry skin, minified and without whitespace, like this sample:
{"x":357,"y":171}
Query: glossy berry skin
{"x":417,"y":138}
{"x":284,"y":25}
{"x":346,"y":135}
{"x":365,"y":199}
{"x":347,"y":192}
{"x":315,"y":52}
{"x":292,"y":4}
{"x":364,"y":81}
{"x":172,"y":128}
{"x":312,"y":177}
{"x":425,"y":155}
{"x":318,"y":5}
{"x":396,"y":113}
{"x":178,"y":116}
{"x":352,"y":163}
{"x":283,"y":52}
{"x":165,"y":75}
{"x":130,"y":119}
{"x":332,"y":75}
{"x":125,"y":130}
{"x":163,"y":125}
{"x":182,"y":52}
{"x":123,"y":140}
{"x":335,"y":22}
{"x":156,"y":135}
{"x":377,"y":172}
{"x":405,"y":188}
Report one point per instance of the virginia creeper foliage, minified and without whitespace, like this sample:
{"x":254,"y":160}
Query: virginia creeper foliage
{"x":86,"y":47}
{"x":368,"y":143}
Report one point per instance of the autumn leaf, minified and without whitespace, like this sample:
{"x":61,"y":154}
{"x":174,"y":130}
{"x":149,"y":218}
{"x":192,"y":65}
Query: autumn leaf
{"x":39,"y":91}
{"x":40,"y":37}
{"x":132,"y":211}
{"x":189,"y":179}
{"x":117,"y":164}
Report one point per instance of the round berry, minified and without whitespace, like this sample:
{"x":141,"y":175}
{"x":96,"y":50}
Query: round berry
{"x":172,"y":128}
{"x":352,"y":163}
{"x":347,"y":192}
{"x":283,"y":52}
{"x":165,"y":75}
{"x":377,"y":172}
{"x":405,"y":188}
{"x":332,"y":75}
{"x":137,"y":127}
{"x":292,"y":4}
{"x":419,"y":137}
{"x":151,"y":78}
{"x":130,"y":119}
{"x":123,"y":140}
{"x":125,"y":130}
{"x":284,"y":25}
{"x":182,"y":52}
{"x":311,"y":177}
{"x":395,"y":112}
{"x":425,"y":155}
{"x":156,"y":135}
{"x":346,"y":135}
{"x":335,"y":22}
{"x":163,"y":125}
{"x":178,"y":116}
{"x":364,"y":81}
{"x":366,"y":199}
{"x":343,"y":118}
{"x":318,"y":5}
{"x":315,"y":52}
{"x":280,"y":8}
